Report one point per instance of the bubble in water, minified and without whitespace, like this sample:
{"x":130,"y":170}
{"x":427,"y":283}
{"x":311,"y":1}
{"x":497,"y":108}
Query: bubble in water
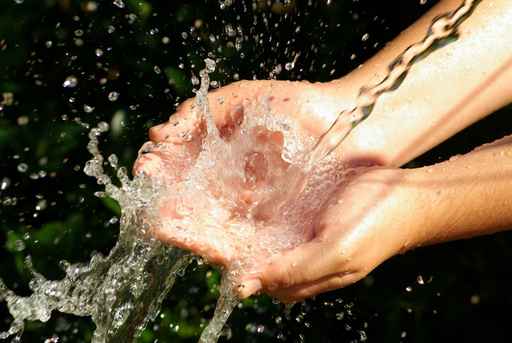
{"x":70,"y":82}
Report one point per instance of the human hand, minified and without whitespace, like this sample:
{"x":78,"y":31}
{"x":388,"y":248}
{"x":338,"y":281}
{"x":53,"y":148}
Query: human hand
{"x":176,"y":145}
{"x":374,"y":215}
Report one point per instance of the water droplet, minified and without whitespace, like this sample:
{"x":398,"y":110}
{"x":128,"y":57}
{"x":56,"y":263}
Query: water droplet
{"x":475,"y":299}
{"x":70,"y":82}
{"x":22,"y":167}
{"x":103,"y":126}
{"x":223,"y":4}
{"x":48,"y":44}
{"x":88,"y":109}
{"x":98,"y":52}
{"x":91,"y":6}
{"x":19,"y":2}
{"x":195,"y":80}
{"x":19,"y":245}
{"x":41,"y":205}
{"x":112,"y":159}
{"x":22,"y":120}
{"x":119,"y":3}
{"x":365,"y":37}
{"x":113,"y":220}
{"x":113,"y":96}
{"x":210,"y":65}
{"x":6,"y":182}
{"x":230,"y":31}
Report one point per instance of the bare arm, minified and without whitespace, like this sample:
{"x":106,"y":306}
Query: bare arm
{"x":383,"y":212}
{"x":449,"y":90}
{"x":467,"y":196}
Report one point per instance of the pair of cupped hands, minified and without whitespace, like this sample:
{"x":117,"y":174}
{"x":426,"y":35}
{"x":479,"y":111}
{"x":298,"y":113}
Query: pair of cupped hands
{"x":368,"y":219}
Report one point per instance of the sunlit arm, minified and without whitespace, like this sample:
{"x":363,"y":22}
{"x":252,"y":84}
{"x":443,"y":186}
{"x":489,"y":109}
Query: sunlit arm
{"x":466,"y":196}
{"x":451,"y":88}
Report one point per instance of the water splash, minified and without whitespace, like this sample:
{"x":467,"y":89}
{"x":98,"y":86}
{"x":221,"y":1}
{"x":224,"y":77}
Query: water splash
{"x":123,"y":291}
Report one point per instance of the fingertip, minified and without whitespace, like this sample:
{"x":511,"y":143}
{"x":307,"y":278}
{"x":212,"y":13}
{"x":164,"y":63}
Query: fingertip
{"x":249,"y":287}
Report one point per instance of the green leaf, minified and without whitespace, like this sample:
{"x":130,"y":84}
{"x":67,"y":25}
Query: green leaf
{"x":49,"y":232}
{"x":112,"y":205}
{"x":178,"y":80}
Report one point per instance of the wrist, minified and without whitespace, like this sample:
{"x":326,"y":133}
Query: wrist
{"x":370,"y":142}
{"x":430,"y":207}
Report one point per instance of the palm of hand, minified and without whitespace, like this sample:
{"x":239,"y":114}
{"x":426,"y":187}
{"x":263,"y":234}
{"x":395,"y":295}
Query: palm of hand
{"x":214,"y":226}
{"x":364,"y":223}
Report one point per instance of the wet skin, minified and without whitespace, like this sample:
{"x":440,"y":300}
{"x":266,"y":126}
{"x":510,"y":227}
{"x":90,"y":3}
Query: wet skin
{"x":175,"y":145}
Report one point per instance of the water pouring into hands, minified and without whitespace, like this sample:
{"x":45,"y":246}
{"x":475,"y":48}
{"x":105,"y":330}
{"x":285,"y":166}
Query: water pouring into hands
{"x":242,"y":199}
{"x":237,"y":192}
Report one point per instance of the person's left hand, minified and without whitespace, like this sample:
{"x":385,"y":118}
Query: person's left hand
{"x":175,"y":146}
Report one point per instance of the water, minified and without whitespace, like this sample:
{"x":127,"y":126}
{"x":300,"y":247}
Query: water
{"x":123,"y":291}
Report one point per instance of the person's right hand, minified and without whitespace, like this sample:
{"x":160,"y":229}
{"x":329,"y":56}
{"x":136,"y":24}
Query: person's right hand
{"x":376,"y":214}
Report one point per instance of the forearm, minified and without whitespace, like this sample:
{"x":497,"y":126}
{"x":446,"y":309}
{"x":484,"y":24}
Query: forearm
{"x":465,"y":197}
{"x":450,"y":89}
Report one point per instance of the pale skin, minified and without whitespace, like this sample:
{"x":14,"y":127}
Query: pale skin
{"x":386,"y":210}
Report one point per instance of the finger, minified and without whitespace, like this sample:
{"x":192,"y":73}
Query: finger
{"x":168,"y":161}
{"x":146,"y":163}
{"x":306,"y":263}
{"x":308,"y":290}
{"x":214,"y":250}
{"x":180,"y":129}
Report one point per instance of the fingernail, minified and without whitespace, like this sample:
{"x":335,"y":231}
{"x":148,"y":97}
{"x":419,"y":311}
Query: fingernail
{"x":249,"y":287}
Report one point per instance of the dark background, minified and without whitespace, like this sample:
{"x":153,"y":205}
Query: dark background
{"x":149,"y":51}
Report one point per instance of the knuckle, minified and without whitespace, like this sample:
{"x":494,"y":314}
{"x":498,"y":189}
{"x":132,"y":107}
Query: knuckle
{"x":277,"y":277}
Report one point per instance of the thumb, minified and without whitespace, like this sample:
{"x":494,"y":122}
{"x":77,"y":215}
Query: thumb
{"x":306,"y":263}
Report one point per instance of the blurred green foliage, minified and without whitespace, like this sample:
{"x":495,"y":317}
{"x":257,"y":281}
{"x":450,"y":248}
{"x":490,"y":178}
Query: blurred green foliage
{"x":147,"y":51}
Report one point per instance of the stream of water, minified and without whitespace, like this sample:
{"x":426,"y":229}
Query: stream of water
{"x":123,"y":291}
